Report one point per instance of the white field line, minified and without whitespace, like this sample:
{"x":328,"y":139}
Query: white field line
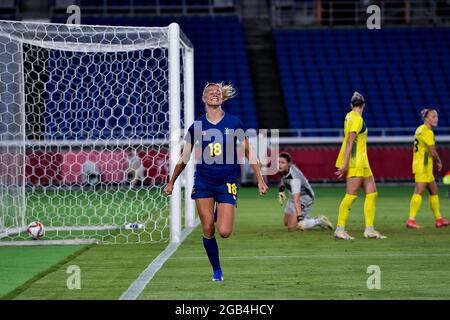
{"x":144,"y":278}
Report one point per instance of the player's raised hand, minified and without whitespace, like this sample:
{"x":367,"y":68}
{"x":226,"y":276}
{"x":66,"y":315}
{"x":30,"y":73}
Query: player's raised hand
{"x":340,"y":172}
{"x":168,"y":189}
{"x":262,"y":187}
{"x":281,"y":198}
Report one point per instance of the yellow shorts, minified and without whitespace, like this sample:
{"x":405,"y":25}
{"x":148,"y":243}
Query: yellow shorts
{"x":359,"y":172}
{"x":425,"y":177}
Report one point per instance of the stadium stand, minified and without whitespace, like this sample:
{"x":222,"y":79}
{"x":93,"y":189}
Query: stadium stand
{"x":223,"y":60}
{"x":9,"y":9}
{"x":140,"y":7}
{"x":397,"y":73}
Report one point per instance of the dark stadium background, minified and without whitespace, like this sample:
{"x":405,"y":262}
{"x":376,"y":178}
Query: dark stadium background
{"x":295,"y":64}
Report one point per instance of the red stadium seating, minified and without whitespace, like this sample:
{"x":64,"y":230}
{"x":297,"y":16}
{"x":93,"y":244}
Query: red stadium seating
{"x":392,"y":163}
{"x":389,"y":163}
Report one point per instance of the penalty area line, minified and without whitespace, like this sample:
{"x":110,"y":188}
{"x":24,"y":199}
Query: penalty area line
{"x":147,"y":275}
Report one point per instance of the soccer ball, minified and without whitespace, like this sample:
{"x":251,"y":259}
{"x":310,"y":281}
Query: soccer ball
{"x":36,"y":230}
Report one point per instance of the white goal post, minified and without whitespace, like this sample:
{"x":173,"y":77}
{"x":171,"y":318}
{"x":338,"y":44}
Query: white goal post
{"x":90,"y":125}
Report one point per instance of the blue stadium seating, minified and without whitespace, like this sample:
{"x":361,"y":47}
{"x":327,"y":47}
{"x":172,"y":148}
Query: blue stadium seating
{"x":220,"y":55}
{"x":399,"y":71}
{"x":138,"y":3}
{"x":9,"y":10}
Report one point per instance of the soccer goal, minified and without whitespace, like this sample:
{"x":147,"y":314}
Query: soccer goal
{"x":91,"y":120}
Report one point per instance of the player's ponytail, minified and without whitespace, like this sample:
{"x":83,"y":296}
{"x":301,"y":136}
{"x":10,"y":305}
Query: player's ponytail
{"x":228,"y":91}
{"x":357,"y":100}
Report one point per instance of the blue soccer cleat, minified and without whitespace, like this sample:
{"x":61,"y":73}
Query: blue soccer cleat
{"x":217,"y":275}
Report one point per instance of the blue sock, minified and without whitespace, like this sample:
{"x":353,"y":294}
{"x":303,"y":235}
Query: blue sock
{"x":212,"y":250}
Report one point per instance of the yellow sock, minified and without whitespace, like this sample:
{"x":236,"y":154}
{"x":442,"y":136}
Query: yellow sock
{"x":414,"y":205}
{"x":369,"y":208}
{"x":434,"y":204}
{"x":344,"y":209}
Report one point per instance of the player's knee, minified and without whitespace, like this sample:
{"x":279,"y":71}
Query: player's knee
{"x":208,"y":230}
{"x":419,"y":192}
{"x":225,"y":233}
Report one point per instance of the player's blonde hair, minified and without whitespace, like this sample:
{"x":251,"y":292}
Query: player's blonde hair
{"x":424,"y":112}
{"x":228,"y":91}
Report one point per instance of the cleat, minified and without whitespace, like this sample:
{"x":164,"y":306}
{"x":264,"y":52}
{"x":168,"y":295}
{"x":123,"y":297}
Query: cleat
{"x":412,"y":224}
{"x":442,"y":223}
{"x":373,"y":234}
{"x":325,"y":223}
{"x":217,"y":276}
{"x":343,"y":235}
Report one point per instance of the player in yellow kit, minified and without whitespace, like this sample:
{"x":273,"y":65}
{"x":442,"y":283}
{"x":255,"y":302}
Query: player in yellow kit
{"x":424,"y":157}
{"x":353,"y":160}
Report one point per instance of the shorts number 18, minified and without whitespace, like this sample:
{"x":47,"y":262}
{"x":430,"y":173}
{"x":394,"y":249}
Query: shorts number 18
{"x":232,"y":188}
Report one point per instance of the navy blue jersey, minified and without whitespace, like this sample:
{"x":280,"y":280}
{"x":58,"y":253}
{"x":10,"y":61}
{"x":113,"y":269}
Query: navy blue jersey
{"x":218,"y":145}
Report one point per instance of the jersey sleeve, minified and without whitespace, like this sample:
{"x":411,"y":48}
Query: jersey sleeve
{"x":189,"y":136}
{"x":355,"y":124}
{"x":428,"y":138}
{"x":241,"y":131}
{"x":242,"y":126}
{"x":296,"y":185}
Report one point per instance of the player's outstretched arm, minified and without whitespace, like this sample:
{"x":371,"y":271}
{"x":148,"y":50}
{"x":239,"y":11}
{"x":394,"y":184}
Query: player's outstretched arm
{"x":181,"y":164}
{"x":281,"y":195}
{"x":253,"y":160}
{"x":293,"y":219}
{"x":348,"y":149}
{"x":436,"y":158}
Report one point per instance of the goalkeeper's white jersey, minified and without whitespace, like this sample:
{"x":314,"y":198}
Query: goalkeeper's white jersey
{"x":296,"y":182}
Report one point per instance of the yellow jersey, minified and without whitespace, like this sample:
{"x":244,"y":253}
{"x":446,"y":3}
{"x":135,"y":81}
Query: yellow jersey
{"x":358,"y":157}
{"x":422,"y":160}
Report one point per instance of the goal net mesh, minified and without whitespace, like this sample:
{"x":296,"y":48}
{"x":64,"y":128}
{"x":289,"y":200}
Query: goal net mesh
{"x":84,"y":131}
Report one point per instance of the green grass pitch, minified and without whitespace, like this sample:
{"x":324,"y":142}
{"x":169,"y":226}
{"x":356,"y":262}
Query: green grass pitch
{"x":260,"y":261}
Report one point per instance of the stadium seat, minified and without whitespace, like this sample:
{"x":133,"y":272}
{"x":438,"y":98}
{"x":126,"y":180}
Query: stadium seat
{"x":393,"y":70}
{"x":226,"y":62}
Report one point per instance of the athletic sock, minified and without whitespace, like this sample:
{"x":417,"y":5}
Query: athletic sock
{"x":434,"y":204}
{"x":344,"y":209}
{"x":309,"y":223}
{"x":212,"y":250}
{"x":414,"y":205}
{"x":369,"y":208}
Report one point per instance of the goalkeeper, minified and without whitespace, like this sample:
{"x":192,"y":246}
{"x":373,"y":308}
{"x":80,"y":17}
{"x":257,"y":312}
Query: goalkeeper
{"x":301,"y":199}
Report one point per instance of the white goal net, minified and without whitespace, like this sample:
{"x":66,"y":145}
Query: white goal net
{"x":87,"y":114}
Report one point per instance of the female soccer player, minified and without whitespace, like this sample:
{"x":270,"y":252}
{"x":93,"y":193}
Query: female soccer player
{"x":217,"y":173}
{"x":353,"y":159}
{"x":423,"y":158}
{"x":301,"y":197}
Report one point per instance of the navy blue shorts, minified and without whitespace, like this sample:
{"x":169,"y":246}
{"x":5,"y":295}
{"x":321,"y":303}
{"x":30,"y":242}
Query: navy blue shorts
{"x":223,"y":192}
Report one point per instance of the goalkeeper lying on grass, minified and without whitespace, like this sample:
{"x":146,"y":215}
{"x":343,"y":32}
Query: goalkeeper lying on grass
{"x":301,"y":197}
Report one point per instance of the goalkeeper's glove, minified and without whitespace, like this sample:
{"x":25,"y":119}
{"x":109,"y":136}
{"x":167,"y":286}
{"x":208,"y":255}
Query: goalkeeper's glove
{"x":281,"y":197}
